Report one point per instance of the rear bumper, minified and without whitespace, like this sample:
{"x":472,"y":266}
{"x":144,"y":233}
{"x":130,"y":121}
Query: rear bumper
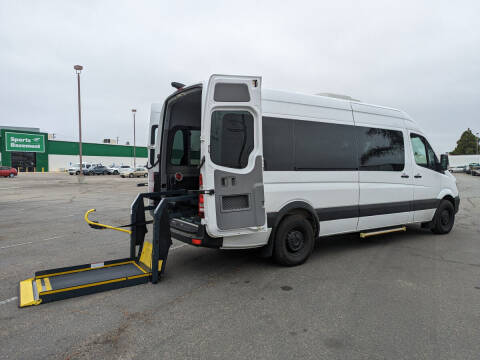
{"x":457,"y":203}
{"x":193,"y":234}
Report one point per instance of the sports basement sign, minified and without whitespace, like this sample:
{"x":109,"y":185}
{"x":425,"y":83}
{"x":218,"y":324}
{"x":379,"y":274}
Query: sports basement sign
{"x":24,"y":142}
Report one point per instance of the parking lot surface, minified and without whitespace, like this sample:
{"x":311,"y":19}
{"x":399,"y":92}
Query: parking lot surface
{"x":410,"y":295}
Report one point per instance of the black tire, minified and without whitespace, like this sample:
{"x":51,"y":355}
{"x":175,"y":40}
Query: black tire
{"x":444,"y":218}
{"x":115,"y":172}
{"x":11,"y":175}
{"x":77,"y":173}
{"x":294,"y":241}
{"x":130,"y":176}
{"x":105,"y":172}
{"x":145,"y":175}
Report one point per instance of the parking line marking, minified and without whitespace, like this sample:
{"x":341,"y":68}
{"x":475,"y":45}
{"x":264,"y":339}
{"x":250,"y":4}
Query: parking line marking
{"x":8,"y":300}
{"x":178,"y":247}
{"x":31,"y":242}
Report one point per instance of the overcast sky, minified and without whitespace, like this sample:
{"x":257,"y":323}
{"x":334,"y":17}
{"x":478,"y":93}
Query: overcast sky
{"x":421,"y":57}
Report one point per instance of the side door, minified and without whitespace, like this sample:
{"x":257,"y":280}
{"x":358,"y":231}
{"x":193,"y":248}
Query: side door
{"x":231,"y":142}
{"x":427,"y":178}
{"x":385,"y":172}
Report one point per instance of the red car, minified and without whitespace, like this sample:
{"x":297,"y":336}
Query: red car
{"x":7,"y":171}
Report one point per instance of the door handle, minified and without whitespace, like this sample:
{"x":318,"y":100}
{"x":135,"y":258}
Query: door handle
{"x":405,"y":176}
{"x":417,"y":176}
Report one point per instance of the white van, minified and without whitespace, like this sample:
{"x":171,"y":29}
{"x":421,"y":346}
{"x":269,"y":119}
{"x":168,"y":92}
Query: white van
{"x":276,"y":169}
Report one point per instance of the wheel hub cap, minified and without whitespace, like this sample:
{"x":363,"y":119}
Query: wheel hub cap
{"x":295,"y":240}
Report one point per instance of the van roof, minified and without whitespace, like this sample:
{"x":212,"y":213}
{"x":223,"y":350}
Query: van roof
{"x":332,"y":102}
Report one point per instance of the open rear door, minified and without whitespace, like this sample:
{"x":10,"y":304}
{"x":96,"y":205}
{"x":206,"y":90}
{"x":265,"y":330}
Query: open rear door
{"x":232,"y":144}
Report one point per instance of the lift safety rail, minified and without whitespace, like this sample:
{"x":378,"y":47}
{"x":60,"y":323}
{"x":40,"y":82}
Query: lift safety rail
{"x":146,"y":262}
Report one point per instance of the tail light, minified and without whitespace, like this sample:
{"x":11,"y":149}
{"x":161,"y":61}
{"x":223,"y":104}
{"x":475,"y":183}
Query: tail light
{"x":201,"y":208}
{"x":201,"y":200}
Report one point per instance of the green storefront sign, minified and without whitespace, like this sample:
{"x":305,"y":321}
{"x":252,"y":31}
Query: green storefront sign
{"x":24,"y":142}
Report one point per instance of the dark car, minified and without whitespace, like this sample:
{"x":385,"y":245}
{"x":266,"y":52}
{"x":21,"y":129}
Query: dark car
{"x":99,"y":170}
{"x":7,"y":171}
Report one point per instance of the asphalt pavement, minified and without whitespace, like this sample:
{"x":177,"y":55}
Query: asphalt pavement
{"x":410,"y":295}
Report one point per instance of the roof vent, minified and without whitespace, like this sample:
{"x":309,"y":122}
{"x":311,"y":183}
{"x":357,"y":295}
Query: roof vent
{"x":337,"y":96}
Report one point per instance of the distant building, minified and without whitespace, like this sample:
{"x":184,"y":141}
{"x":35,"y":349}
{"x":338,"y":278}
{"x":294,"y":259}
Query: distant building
{"x":28,"y":149}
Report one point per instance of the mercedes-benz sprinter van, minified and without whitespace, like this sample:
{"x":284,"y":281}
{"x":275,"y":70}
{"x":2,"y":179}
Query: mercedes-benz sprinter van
{"x":277,"y":169}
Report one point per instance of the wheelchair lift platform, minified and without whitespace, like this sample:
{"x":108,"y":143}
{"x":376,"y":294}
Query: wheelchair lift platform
{"x":146,"y":262}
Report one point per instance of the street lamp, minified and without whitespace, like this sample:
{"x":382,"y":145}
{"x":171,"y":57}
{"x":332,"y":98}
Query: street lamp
{"x":78,"y":70}
{"x":134,"y":155}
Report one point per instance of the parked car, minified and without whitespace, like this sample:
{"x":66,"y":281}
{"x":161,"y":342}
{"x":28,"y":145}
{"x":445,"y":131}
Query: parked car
{"x":114,"y":169}
{"x":476,"y":172}
{"x":100,"y":170}
{"x":124,"y":168}
{"x":471,"y":167}
{"x":137,"y":172}
{"x":457,"y":169}
{"x":7,"y":171}
{"x":75,"y":169}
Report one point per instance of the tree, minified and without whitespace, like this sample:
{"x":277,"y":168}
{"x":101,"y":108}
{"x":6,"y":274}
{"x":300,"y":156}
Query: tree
{"x":467,"y":144}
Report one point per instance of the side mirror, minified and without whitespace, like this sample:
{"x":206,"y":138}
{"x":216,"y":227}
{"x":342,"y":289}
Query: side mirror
{"x":444,"y":162}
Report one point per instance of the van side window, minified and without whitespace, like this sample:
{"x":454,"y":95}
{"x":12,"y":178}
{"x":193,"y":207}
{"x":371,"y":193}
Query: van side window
{"x":278,"y":144}
{"x":324,"y":146}
{"x":380,"y":149}
{"x":153,"y":139}
{"x":423,"y":152}
{"x":231,"y":138}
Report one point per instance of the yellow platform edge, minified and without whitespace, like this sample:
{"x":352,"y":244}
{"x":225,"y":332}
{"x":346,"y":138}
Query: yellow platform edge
{"x":26,"y":296}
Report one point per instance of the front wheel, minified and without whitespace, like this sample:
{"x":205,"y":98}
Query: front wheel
{"x":130,"y":176}
{"x":105,"y":172}
{"x":294,"y":241}
{"x":145,"y":175}
{"x":11,"y":175}
{"x":444,"y":218}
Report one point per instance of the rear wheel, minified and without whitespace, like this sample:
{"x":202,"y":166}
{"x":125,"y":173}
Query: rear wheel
{"x":294,"y":241}
{"x":11,"y":175}
{"x":77,"y":172}
{"x":105,"y":172}
{"x":444,"y":218}
{"x":130,"y":176}
{"x":145,"y":175}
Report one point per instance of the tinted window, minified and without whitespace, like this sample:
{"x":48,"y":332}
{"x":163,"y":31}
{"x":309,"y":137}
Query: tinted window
{"x":231,"y":138}
{"x":380,"y":149}
{"x":323,"y":146}
{"x":194,"y":147}
{"x":177,"y":155}
{"x":225,"y":92}
{"x":153,"y":134}
{"x":278,"y":144}
{"x":185,"y":150}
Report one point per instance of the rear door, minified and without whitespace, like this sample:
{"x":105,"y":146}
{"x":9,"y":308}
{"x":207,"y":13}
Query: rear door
{"x":231,"y":141}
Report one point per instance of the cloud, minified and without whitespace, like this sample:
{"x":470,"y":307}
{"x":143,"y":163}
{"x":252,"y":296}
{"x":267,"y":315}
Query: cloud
{"x":422,"y":57}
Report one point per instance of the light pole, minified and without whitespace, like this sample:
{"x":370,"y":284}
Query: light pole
{"x":134,"y":154}
{"x":78,"y":70}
